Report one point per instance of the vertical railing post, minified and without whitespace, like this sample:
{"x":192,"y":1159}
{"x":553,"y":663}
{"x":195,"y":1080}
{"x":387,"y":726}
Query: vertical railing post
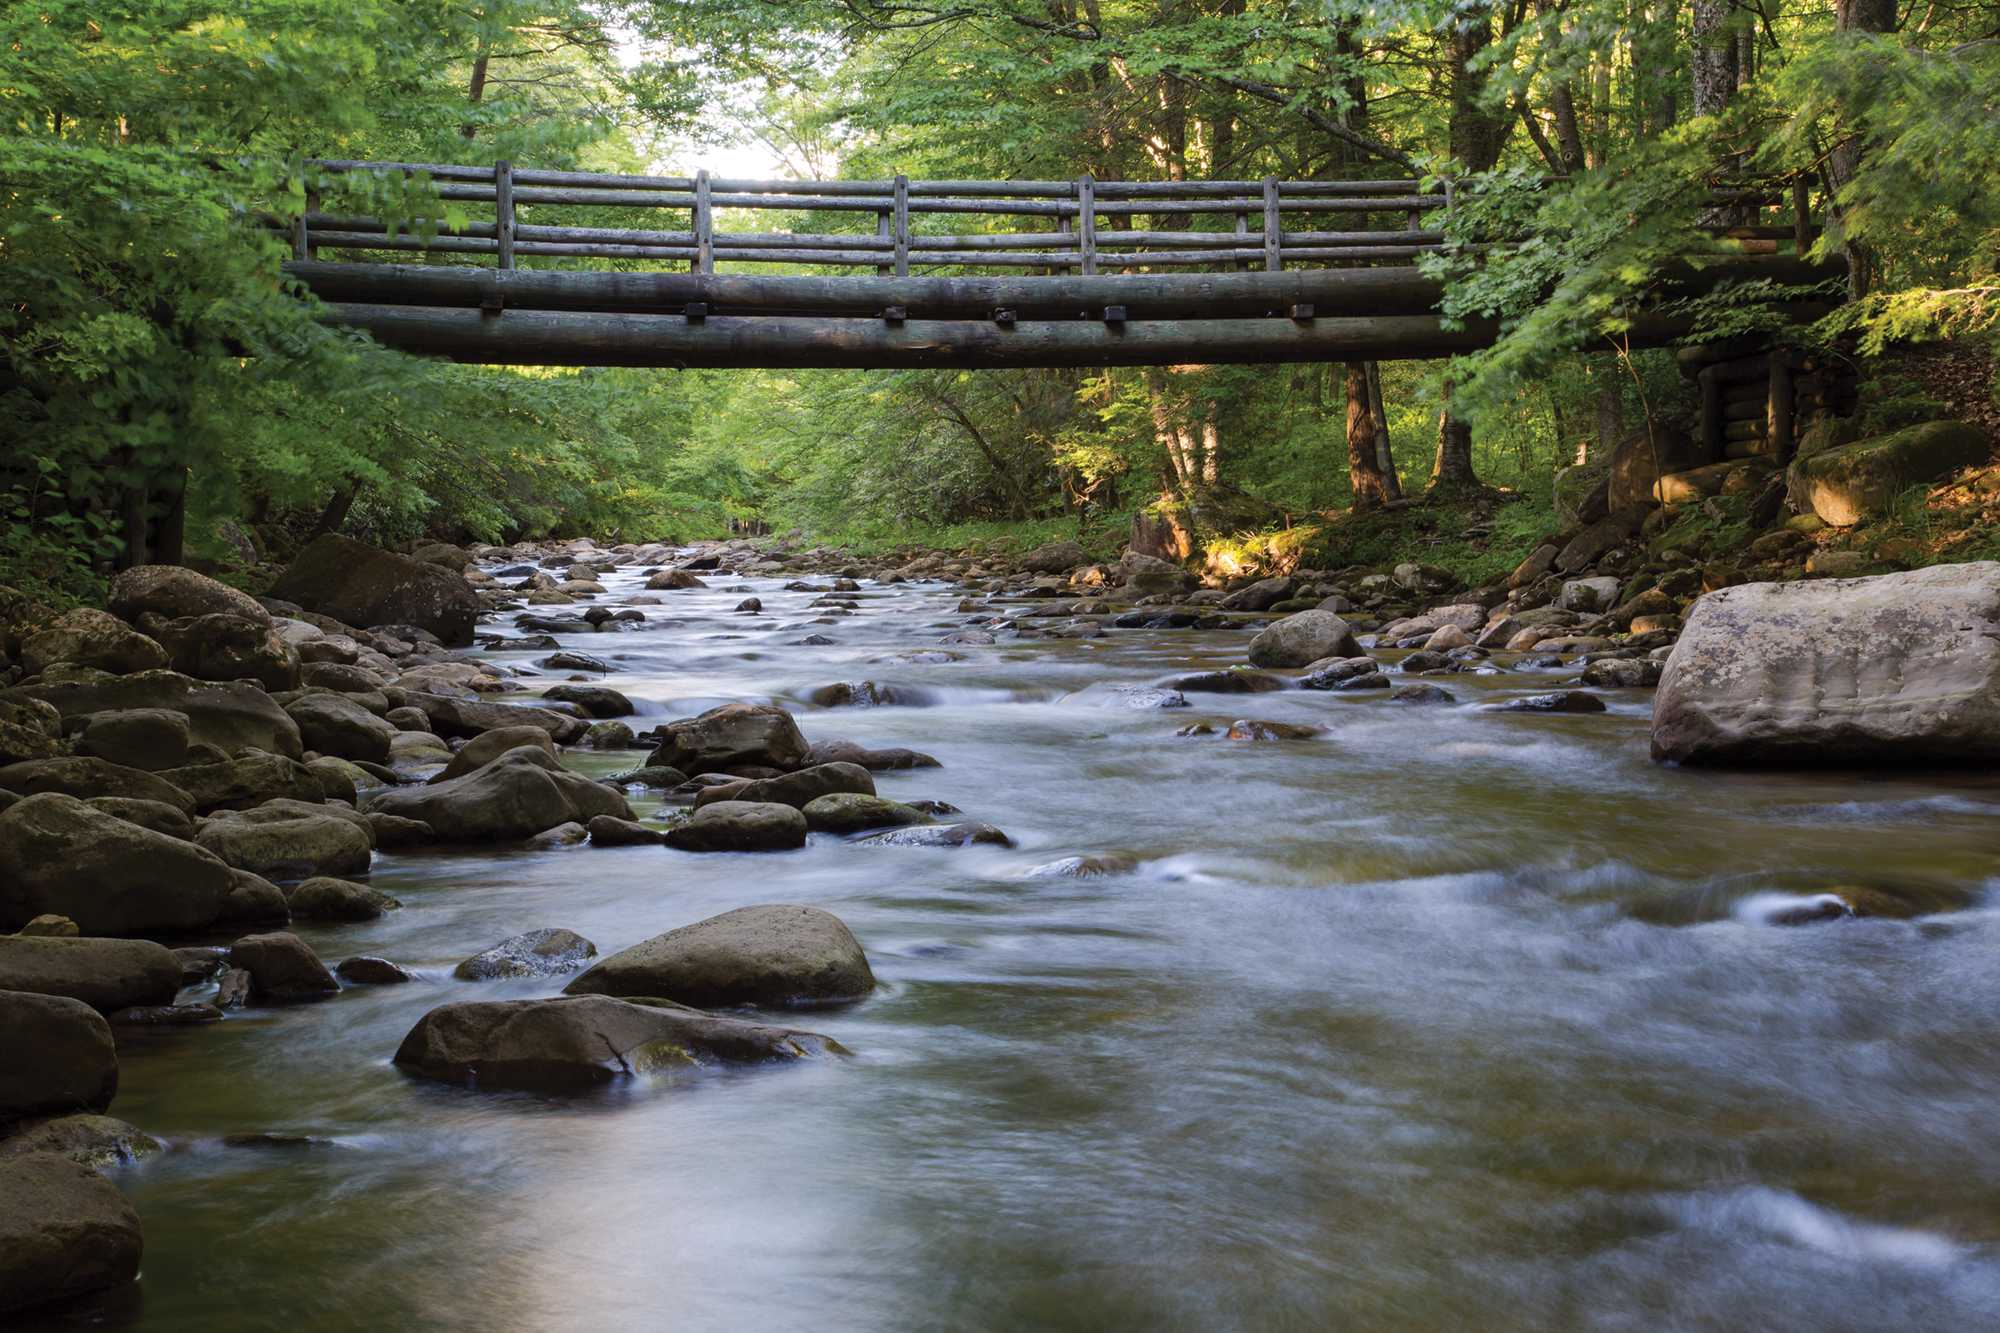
{"x":1086,"y":220}
{"x":704,"y":225}
{"x":302,"y":229}
{"x":882,"y":234}
{"x":902,"y":233}
{"x":1065,"y":228}
{"x":1801,"y":215}
{"x":1778,"y":423}
{"x":1273,"y":260}
{"x":1243,"y":239}
{"x":503,"y":211}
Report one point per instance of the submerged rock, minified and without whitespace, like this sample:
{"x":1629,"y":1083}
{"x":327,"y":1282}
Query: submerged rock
{"x":583,"y":1041}
{"x":1559,"y":701}
{"x":549,"y":952}
{"x":776,"y":954}
{"x":940,"y":835}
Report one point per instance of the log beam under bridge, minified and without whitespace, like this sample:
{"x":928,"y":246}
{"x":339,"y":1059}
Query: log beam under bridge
{"x":1399,"y":290}
{"x":702,"y":340}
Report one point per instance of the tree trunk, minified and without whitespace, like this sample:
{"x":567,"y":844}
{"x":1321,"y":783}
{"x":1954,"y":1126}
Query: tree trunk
{"x":1364,"y":467}
{"x":1378,"y":412}
{"x":1714,"y":57}
{"x":336,"y":509}
{"x":1876,"y":16}
{"x":1452,"y":469}
{"x":476,"y":92}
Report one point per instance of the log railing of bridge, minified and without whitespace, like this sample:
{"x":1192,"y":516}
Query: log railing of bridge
{"x":1112,"y":270}
{"x":1087,"y":225}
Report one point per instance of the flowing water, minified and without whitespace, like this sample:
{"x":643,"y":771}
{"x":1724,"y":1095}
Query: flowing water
{"x":1447,"y":1018}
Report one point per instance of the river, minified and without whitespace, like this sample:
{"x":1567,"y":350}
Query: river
{"x":1446,"y":1018}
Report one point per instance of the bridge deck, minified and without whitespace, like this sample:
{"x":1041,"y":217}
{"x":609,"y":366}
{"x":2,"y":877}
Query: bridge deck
{"x":1276,"y":293}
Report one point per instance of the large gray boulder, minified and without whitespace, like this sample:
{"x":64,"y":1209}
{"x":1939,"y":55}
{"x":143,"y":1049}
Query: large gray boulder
{"x":228,"y":715}
{"x":484,"y":748}
{"x":65,"y":1231}
{"x":1054,"y":558}
{"x":732,"y":736}
{"x":105,"y":974}
{"x":29,"y":729}
{"x":290,"y":840}
{"x":775,"y":954}
{"x":90,"y":638}
{"x":517,"y":795}
{"x":146,"y":738}
{"x":174,"y":591}
{"x":56,"y":1056}
{"x":251,"y":778}
{"x":60,"y":855}
{"x":1898,"y":669}
{"x":576,"y":1043}
{"x":362,"y":585}
{"x":334,"y":724}
{"x":83,"y":777}
{"x":222,"y":646}
{"x":1149,"y":576}
{"x":1302,"y":639}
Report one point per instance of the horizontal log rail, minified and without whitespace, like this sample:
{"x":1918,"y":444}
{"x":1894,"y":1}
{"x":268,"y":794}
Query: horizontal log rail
{"x":1081,"y":227}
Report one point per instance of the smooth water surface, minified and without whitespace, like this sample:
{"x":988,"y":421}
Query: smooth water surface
{"x":1445,"y":1019}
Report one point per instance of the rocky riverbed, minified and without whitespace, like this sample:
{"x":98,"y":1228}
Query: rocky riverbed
{"x":614,"y":938}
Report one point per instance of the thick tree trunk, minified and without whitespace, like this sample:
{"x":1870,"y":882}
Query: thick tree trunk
{"x":1875,"y":16}
{"x":1452,"y":470}
{"x":1364,"y":467}
{"x":336,"y":509}
{"x":1378,"y":412}
{"x":1714,"y":57}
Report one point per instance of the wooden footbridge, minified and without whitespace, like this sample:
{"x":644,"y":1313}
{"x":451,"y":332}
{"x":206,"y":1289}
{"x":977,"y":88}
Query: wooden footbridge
{"x":1105,"y":273}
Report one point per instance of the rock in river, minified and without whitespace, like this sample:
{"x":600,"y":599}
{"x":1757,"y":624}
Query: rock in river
{"x":360,"y":585}
{"x":732,"y":736}
{"x":1895,"y":669}
{"x":968,"y":834}
{"x":775,"y":954}
{"x":583,"y":1041}
{"x":515,"y":796}
{"x":65,"y":1231}
{"x":282,"y":967}
{"x":104,"y":974}
{"x":549,"y":952}
{"x":290,"y":839}
{"x":56,"y":1056}
{"x":853,"y":812}
{"x":60,"y":855}
{"x":740,"y":826}
{"x":1302,"y":639}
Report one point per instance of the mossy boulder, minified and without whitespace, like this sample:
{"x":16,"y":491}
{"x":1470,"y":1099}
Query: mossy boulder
{"x":1851,"y":482}
{"x":362,"y":585}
